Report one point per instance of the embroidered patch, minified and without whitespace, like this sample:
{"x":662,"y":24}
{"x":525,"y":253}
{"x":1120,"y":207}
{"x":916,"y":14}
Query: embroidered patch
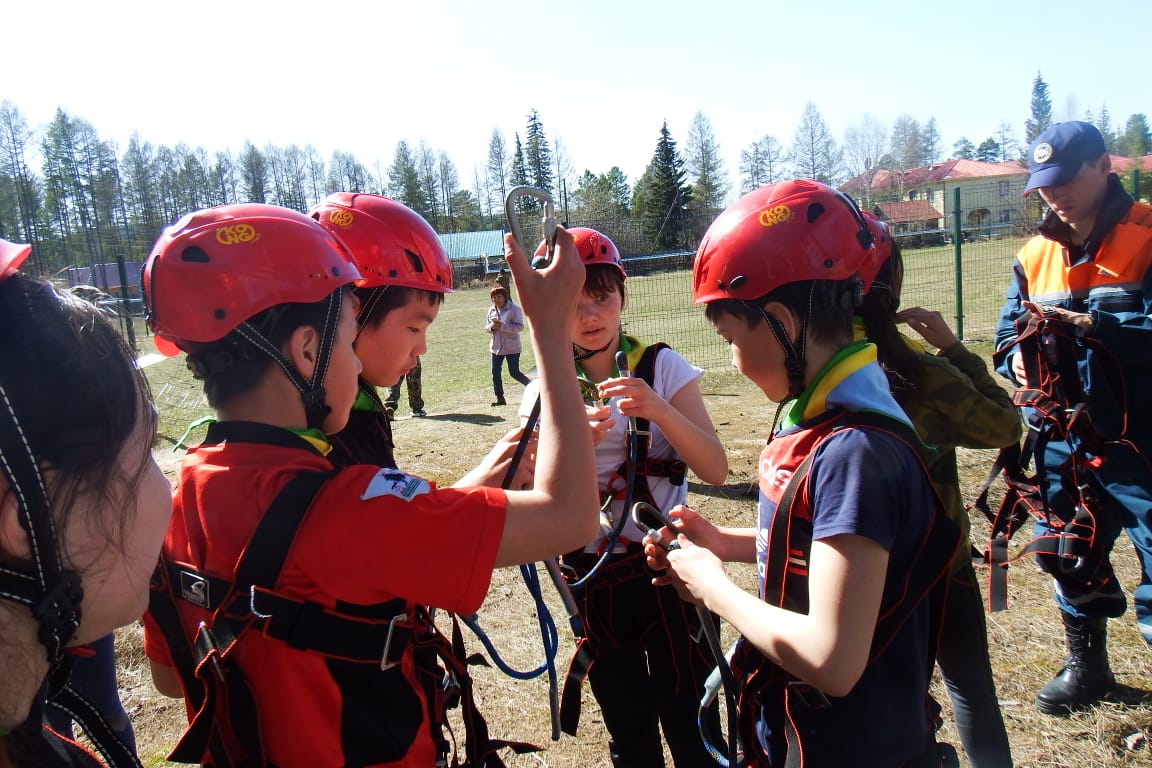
{"x":194,"y":588}
{"x":393,"y":482}
{"x":1042,"y":153}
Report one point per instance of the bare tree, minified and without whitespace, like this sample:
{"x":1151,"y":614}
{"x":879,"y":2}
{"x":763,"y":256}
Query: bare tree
{"x":864,"y":144}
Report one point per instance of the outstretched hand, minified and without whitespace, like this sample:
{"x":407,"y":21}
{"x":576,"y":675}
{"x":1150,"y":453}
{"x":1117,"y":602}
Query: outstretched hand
{"x":549,"y":295}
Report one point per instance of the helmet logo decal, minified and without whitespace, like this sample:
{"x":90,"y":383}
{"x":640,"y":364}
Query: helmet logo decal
{"x":342,"y":219}
{"x":777,"y":214}
{"x":233,"y":234}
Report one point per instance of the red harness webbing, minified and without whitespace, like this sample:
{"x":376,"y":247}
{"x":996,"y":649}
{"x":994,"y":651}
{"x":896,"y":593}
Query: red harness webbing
{"x":1048,"y":350}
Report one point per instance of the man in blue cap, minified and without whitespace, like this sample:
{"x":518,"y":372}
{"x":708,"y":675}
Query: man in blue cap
{"x":1089,"y":270}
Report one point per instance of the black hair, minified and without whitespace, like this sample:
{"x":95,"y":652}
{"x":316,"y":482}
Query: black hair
{"x":384,"y":299}
{"x":80,"y":403}
{"x":73,"y":384}
{"x":902,"y":364}
{"x":233,"y":366}
{"x":827,"y":305}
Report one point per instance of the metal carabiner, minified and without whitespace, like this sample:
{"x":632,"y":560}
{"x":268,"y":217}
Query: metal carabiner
{"x":547,"y":221}
{"x":651,"y":520}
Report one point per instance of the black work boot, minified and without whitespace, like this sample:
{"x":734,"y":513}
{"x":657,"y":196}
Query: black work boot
{"x":1086,"y":677}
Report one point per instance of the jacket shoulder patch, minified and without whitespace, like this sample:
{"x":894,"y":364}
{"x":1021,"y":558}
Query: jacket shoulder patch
{"x":393,"y":482}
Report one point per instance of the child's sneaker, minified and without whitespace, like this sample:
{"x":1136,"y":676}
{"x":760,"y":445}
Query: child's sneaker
{"x":420,"y":412}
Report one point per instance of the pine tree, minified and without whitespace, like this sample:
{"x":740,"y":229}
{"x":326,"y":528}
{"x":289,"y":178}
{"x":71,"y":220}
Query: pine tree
{"x":907,"y":144}
{"x":1137,"y":139}
{"x":404,"y":179}
{"x":253,"y":174}
{"x":537,"y":154}
{"x":662,"y":197}
{"x":1041,"y":118}
{"x":930,"y":143}
{"x":520,"y":178}
{"x":988,"y":151}
{"x":964,"y":149}
{"x":702,"y":160}
{"x":1104,"y":123}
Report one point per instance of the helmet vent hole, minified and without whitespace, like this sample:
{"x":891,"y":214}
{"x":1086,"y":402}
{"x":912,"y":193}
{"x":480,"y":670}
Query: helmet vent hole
{"x":737,"y":281}
{"x":219,"y":314}
{"x":815,"y":211}
{"x":417,"y":263}
{"x":195,"y":254}
{"x":393,"y":273}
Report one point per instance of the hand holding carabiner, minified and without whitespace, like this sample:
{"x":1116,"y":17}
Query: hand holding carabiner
{"x":548,"y":221}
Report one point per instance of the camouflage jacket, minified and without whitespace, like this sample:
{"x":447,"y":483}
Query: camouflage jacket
{"x":958,"y":404}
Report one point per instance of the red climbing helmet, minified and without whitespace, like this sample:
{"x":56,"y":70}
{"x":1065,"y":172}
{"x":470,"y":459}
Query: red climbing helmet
{"x":883,"y":251}
{"x":391,"y":244}
{"x":594,"y":248}
{"x":215,"y":268}
{"x":779,"y":234}
{"x":12,"y":255}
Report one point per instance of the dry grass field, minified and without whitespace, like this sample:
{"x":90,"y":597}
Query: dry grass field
{"x":1026,"y":640}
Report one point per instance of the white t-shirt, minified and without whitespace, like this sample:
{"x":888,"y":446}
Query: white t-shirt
{"x":671,"y":373}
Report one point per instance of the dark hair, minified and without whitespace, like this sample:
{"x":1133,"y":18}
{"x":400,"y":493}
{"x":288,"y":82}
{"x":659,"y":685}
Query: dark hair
{"x":389,"y":297}
{"x":80,"y":403}
{"x":232,"y":366}
{"x":878,"y":311}
{"x":827,"y":306}
{"x":72,"y":382}
{"x":604,"y":278}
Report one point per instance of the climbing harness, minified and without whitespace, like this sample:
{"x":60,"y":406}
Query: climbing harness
{"x":755,"y":676}
{"x":1058,"y":412}
{"x":225,"y":726}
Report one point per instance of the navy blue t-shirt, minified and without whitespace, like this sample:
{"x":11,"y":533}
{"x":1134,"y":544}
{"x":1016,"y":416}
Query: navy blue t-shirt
{"x":865,"y":482}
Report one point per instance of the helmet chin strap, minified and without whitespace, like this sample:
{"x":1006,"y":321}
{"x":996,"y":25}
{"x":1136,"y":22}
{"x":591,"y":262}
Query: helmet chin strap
{"x":368,"y":306}
{"x":794,"y":354}
{"x":53,"y":593}
{"x":311,"y":392}
{"x":580,"y":354}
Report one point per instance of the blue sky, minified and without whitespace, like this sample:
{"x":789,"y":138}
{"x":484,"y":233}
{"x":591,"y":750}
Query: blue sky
{"x":360,"y":76}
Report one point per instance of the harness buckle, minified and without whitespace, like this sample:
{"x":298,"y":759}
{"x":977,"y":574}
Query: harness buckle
{"x":386,"y":665}
{"x":1070,"y":546}
{"x":208,"y":648}
{"x":808,"y":696}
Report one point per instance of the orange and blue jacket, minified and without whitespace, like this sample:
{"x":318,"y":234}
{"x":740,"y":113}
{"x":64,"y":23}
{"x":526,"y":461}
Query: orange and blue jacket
{"x":1110,"y":277}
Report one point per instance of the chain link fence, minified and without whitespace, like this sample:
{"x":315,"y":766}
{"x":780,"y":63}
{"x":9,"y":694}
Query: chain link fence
{"x":964,"y":279}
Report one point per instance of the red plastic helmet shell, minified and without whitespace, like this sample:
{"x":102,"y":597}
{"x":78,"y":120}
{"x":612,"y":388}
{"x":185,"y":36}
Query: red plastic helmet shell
{"x":594,"y":248}
{"x":215,"y":268}
{"x":779,"y":234}
{"x":882,"y":237}
{"x":390,"y":243}
{"x":12,"y":255}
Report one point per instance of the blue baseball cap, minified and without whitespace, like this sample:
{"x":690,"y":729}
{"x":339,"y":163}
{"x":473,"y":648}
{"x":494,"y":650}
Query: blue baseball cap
{"x":1056,"y":155}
